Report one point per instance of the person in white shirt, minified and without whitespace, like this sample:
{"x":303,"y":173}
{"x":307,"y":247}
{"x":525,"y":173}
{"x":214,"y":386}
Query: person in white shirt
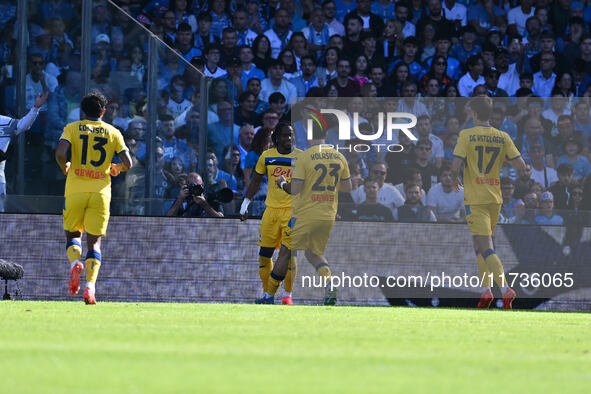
{"x":445,"y":203}
{"x":38,"y":82}
{"x":330,"y":12}
{"x":212,"y":54}
{"x":388,"y":195}
{"x":402,"y":11}
{"x":455,"y":11}
{"x":540,"y":172}
{"x":276,"y":83}
{"x":508,"y":75}
{"x":518,"y":16}
{"x":280,"y":33}
{"x":545,"y":78}
{"x":473,"y":77}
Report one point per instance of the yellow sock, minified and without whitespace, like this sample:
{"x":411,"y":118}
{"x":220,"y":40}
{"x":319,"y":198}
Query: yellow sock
{"x":273,"y":283}
{"x":93,"y":264}
{"x":292,"y":270}
{"x":483,"y":272}
{"x":324,"y":272}
{"x":74,"y":250}
{"x":494,"y":265}
{"x":265,"y":268}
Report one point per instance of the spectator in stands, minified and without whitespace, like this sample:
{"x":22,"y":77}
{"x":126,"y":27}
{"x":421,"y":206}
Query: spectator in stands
{"x":423,"y":153}
{"x":212,"y":55}
{"x":245,"y":137}
{"x":532,"y":134}
{"x":447,"y":205}
{"x":473,"y":77}
{"x":508,"y":72}
{"x":219,"y":18}
{"x":546,"y":215}
{"x":217,"y":178}
{"x":244,"y":113}
{"x":177,"y":103}
{"x":508,"y":192}
{"x":223,"y":132}
{"x":559,"y":190}
{"x":583,"y":118}
{"x":204,"y":35}
{"x":409,"y":57}
{"x":371,"y":210}
{"x":232,"y":165}
{"x":524,"y":182}
{"x":413,"y":209}
{"x":261,"y":48}
{"x":317,"y":33}
{"x":276,"y":83}
{"x":353,"y":27}
{"x":424,"y":131}
{"x":173,"y":147}
{"x":573,"y":148}
{"x":249,"y":70}
{"x":289,"y":64}
{"x":277,"y":103}
{"x":329,"y":64}
{"x":387,"y":194}
{"x":190,"y":205}
{"x":329,"y":9}
{"x":541,"y":173}
{"x":566,"y":131}
{"x":280,"y":33}
{"x":308,"y":78}
{"x":246,"y":36}
{"x":228,"y":49}
{"x":345,"y":85}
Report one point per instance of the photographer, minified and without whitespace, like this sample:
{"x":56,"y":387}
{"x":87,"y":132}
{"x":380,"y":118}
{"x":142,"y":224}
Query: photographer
{"x":191,"y":202}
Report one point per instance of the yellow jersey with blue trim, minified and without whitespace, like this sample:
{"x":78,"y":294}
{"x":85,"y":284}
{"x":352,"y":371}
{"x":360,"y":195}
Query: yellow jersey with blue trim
{"x":93,"y":144}
{"x":484,"y":150}
{"x":321,"y":168}
{"x":275,"y":164}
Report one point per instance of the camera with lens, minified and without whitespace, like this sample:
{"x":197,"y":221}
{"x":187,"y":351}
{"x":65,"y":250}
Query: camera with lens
{"x":194,"y":189}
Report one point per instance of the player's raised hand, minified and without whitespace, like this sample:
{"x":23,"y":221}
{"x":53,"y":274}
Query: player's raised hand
{"x":41,"y":99}
{"x":457,"y":185}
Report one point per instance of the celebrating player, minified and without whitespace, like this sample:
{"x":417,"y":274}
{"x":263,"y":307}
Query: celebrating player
{"x":274,"y":162}
{"x":483,"y":149}
{"x":92,"y":144}
{"x":320,"y":172}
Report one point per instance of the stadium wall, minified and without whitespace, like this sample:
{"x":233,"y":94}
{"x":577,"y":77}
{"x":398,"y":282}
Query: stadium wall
{"x":212,"y":260}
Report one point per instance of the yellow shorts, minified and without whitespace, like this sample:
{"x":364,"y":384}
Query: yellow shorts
{"x":482,"y":219}
{"x":87,"y":212}
{"x":272,"y":224}
{"x":309,"y":234}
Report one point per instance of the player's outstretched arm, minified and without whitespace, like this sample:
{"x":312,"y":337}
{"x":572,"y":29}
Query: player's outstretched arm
{"x":456,"y":165}
{"x":519,"y":164}
{"x":61,"y":156}
{"x":253,"y":188}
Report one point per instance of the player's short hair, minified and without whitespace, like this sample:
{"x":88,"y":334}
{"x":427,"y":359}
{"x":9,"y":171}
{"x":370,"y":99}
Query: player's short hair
{"x":277,"y":132}
{"x":482,"y":106}
{"x":93,"y":104}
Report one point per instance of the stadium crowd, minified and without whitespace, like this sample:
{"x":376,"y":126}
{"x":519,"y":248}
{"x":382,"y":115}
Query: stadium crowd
{"x":533,"y":56}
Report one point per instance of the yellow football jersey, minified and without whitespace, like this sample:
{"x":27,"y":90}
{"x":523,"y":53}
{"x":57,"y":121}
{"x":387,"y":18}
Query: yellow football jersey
{"x":275,"y":164}
{"x":484,"y":150}
{"x":321,"y":169}
{"x":93,"y":143}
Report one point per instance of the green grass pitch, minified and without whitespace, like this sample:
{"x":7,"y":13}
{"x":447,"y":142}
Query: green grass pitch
{"x":67,"y":347}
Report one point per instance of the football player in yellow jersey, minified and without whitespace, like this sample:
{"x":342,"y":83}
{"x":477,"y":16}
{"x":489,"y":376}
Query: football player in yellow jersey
{"x":274,"y":162}
{"x":320,"y":172}
{"x":483,"y":149}
{"x":92,"y":144}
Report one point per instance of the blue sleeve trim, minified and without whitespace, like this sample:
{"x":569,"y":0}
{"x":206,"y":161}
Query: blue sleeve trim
{"x":62,"y":139}
{"x":516,"y":157}
{"x":460,"y":157}
{"x":124,"y":150}
{"x":488,"y":253}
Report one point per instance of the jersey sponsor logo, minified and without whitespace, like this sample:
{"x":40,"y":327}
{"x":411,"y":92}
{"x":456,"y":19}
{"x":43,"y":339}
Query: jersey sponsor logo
{"x":322,"y":197}
{"x":280,"y":171}
{"x":488,"y":181}
{"x":89,"y":173}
